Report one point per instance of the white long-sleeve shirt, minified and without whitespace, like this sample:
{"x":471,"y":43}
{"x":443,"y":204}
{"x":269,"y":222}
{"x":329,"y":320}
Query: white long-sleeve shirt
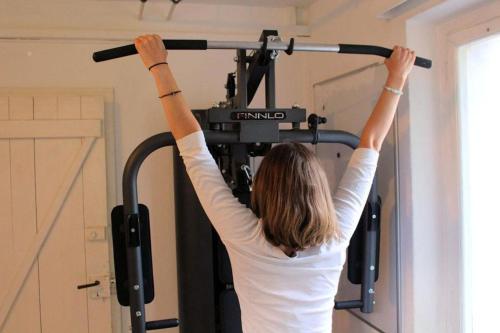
{"x":277,"y":293}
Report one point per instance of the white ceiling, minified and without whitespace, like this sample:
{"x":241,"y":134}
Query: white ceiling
{"x":259,"y":3}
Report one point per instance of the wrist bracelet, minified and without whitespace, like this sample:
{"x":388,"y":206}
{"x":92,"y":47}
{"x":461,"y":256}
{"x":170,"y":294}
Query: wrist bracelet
{"x":394,"y":91}
{"x":170,"y":94}
{"x":160,"y":63}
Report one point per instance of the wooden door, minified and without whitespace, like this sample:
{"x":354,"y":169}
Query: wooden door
{"x":53,"y":214}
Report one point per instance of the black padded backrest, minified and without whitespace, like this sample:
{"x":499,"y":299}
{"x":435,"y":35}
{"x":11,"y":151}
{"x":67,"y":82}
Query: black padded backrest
{"x":120,"y":254}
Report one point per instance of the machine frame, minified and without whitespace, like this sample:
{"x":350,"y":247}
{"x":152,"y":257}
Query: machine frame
{"x":233,"y":123}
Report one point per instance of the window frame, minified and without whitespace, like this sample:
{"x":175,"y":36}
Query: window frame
{"x":435,"y":221}
{"x":489,"y":27}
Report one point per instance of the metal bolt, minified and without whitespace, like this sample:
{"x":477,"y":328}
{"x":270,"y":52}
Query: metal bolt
{"x":372,"y":268}
{"x":136,"y":287}
{"x":371,"y":291}
{"x":374,"y":216}
{"x":132,"y":229}
{"x":138,"y":313}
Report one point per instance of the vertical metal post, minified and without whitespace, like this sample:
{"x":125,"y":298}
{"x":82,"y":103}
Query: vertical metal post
{"x":370,"y":253}
{"x":134,"y":269}
{"x":367,"y":290}
{"x":241,"y":77}
{"x":271,"y":86}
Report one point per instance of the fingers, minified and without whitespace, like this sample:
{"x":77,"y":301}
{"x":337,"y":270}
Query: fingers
{"x":401,"y":61}
{"x":401,"y":51}
{"x":159,"y":43}
{"x":403,"y":54}
{"x":151,"y":49}
{"x":140,"y":42}
{"x":137,"y":41}
{"x":147,"y":41}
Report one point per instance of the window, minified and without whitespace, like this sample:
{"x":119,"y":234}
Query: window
{"x":479,"y":85}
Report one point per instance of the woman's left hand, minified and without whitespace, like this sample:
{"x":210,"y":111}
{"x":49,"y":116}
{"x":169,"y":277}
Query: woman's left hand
{"x":400,"y":63}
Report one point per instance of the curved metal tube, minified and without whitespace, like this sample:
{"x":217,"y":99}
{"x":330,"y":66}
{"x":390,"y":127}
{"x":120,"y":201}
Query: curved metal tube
{"x":148,"y":146}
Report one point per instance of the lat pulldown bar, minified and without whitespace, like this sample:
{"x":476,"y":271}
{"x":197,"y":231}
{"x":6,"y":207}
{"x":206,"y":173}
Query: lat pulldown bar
{"x":178,"y":44}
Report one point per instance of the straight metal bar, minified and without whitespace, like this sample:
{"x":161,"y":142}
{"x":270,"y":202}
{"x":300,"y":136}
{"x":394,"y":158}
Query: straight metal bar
{"x":161,"y":324}
{"x":279,"y":46}
{"x":270,"y":84}
{"x":241,"y":79}
{"x":342,"y":305}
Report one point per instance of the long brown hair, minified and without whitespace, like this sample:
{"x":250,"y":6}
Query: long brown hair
{"x":292,"y":197}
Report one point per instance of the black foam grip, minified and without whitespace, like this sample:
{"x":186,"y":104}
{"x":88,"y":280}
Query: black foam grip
{"x":170,"y":44}
{"x":380,"y":51}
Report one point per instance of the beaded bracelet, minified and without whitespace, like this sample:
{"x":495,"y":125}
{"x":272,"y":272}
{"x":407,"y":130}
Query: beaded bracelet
{"x":394,"y":91}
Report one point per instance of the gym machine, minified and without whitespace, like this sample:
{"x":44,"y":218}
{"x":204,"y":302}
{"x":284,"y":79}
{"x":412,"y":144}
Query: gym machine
{"x":234,"y":133}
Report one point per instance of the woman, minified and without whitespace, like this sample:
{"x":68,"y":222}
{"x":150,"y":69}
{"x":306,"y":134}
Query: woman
{"x":287,"y":253}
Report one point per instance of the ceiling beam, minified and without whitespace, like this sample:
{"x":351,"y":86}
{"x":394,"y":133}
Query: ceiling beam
{"x":117,"y":20}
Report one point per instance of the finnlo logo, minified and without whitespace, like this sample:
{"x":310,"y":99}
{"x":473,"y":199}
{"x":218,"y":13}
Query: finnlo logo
{"x":255,"y":115}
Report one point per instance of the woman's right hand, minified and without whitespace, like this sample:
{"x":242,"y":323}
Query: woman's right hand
{"x":151,"y":49}
{"x":400,"y":63}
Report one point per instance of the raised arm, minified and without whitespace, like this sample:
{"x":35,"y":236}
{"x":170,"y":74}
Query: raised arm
{"x":179,"y":116}
{"x":354,"y":187}
{"x":399,"y":66}
{"x":233,"y":221}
